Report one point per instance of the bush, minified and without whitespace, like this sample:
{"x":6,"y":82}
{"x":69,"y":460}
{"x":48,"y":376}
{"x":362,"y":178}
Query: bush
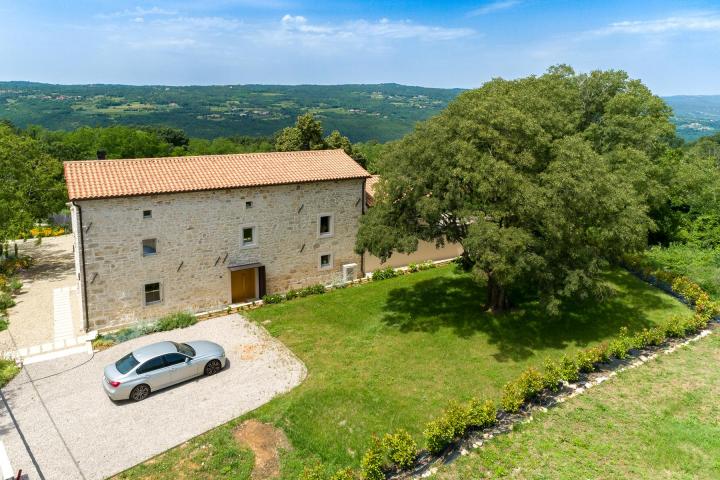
{"x":400,"y":448}
{"x":15,"y":285}
{"x":426,"y":265}
{"x":585,"y":361}
{"x":481,"y":414}
{"x":6,"y":301}
{"x":343,"y":474}
{"x":272,"y":298}
{"x":569,"y":369}
{"x":440,"y":432}
{"x":413,"y":267}
{"x":525,"y":387}
{"x":621,"y":346}
{"x":3,"y":322}
{"x":371,"y":465}
{"x":8,"y":370}
{"x":384,"y":273}
{"x":102,"y":342}
{"x":173,"y":321}
{"x":316,"y":472}
{"x":552,"y":375}
{"x":291,"y":294}
{"x":649,"y":337}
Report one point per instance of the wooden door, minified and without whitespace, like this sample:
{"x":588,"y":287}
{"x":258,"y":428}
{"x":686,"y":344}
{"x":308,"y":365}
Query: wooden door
{"x":242,"y":284}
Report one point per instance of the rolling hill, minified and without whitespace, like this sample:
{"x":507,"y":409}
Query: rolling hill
{"x":380,"y":112}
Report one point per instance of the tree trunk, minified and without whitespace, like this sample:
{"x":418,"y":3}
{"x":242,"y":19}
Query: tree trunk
{"x":497,"y":298}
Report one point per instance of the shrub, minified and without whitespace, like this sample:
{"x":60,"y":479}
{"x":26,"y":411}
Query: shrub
{"x":173,"y":321}
{"x":343,"y":474}
{"x":311,"y":290}
{"x":6,"y":301}
{"x":8,"y":370}
{"x":687,"y":288}
{"x":413,"y":267}
{"x":102,"y":342}
{"x":272,"y":298}
{"x":3,"y":322}
{"x":569,"y":370}
{"x":400,"y":448}
{"x":15,"y":285}
{"x":384,"y":273}
{"x":481,"y":414}
{"x":291,"y":294}
{"x":525,"y":387}
{"x":426,"y":265}
{"x":371,"y":465}
{"x":585,"y":361}
{"x":674,"y":327}
{"x":649,"y":337}
{"x":440,"y":432}
{"x":552,"y":375}
{"x":316,"y":472}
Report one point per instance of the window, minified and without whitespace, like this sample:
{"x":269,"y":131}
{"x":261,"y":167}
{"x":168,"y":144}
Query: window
{"x":153,"y":364}
{"x":248,"y":237}
{"x":174,"y":359}
{"x":325,"y":225}
{"x":248,"y":204}
{"x":147,"y":213}
{"x":126,"y":363}
{"x":325,"y":261}
{"x":149,"y":247}
{"x":152,"y":293}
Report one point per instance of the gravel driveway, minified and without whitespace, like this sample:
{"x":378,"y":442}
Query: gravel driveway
{"x":74,"y":431}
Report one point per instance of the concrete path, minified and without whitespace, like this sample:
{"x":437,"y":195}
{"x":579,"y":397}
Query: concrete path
{"x":60,"y":418}
{"x":47,"y":313}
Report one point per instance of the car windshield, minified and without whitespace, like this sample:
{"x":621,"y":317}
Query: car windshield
{"x":126,"y":363}
{"x":185,"y":349}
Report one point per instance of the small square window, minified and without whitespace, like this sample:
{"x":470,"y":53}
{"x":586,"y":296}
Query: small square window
{"x":326,"y":261}
{"x":149,"y":247}
{"x":248,"y":204}
{"x":325,"y":225}
{"x":248,"y":236}
{"x":152,"y":293}
{"x":147,"y":213}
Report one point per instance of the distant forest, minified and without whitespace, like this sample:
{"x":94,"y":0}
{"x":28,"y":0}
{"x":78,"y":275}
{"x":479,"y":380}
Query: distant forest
{"x":362,"y":112}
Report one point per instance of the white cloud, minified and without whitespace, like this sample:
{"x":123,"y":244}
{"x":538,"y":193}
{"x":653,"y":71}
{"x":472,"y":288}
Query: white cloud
{"x":690,"y":23}
{"x":299,"y":28}
{"x":137,"y":12}
{"x":493,"y":7}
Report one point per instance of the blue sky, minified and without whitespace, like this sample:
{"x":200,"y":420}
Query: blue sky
{"x":673,"y":46}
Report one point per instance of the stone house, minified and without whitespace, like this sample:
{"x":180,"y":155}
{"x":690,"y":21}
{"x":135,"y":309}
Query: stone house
{"x":159,"y":235}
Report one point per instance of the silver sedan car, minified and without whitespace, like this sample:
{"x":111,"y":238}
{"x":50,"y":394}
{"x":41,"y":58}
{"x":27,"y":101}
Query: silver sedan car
{"x":160,"y":365}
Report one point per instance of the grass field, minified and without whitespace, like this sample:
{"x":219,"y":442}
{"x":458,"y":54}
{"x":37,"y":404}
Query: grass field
{"x":702,"y":265}
{"x":661,"y":420}
{"x":392,"y":353}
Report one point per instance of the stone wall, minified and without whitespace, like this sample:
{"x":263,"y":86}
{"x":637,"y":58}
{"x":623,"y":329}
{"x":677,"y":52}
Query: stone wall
{"x":199,"y":236}
{"x":425,"y":251}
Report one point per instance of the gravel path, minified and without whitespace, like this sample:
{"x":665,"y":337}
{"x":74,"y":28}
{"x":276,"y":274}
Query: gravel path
{"x":76,"y":432}
{"x":32,"y":319}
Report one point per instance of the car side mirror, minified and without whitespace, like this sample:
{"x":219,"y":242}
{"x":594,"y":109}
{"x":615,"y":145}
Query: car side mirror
{"x":187,"y":359}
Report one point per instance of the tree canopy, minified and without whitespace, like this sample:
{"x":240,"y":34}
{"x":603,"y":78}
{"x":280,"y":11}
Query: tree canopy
{"x":30,"y":183}
{"x":542,"y":180}
{"x":307,"y":134}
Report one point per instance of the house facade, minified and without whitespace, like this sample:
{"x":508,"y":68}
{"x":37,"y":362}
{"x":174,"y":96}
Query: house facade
{"x":155,"y":236}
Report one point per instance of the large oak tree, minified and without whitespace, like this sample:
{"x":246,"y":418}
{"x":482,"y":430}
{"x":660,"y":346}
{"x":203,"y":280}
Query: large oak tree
{"x":542,"y":180}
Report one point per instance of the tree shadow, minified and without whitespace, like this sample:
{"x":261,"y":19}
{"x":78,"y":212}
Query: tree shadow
{"x":457,"y":303}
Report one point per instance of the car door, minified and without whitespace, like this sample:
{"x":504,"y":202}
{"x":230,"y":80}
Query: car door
{"x":155,"y":373}
{"x":181,"y":369}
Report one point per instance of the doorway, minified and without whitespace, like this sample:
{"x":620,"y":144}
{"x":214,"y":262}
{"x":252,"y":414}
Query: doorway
{"x":242,"y":285}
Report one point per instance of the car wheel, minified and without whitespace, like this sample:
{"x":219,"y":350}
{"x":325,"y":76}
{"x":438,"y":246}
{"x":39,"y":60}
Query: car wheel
{"x":213,"y":367}
{"x":140,"y":392}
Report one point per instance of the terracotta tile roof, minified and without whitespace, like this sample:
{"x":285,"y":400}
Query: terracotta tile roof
{"x":144,"y":176}
{"x":370,"y":189}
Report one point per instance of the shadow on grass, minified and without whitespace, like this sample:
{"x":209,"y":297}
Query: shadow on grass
{"x":457,"y":302}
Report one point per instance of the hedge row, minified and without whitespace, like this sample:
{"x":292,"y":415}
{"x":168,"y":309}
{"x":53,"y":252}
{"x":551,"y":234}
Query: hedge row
{"x":398,"y":451}
{"x":163,"y":324}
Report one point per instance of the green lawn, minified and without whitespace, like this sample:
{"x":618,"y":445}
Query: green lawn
{"x":702,"y":265}
{"x":391,"y":354}
{"x":661,"y":420}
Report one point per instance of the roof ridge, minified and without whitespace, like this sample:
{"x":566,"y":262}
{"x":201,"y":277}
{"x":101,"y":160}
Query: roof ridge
{"x":211,"y":155}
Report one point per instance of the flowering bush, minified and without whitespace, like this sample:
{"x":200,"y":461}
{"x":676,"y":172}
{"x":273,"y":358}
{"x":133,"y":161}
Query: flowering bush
{"x":39,"y":232}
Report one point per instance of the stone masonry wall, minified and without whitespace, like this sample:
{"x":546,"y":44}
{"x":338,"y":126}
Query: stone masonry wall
{"x":199,"y":235}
